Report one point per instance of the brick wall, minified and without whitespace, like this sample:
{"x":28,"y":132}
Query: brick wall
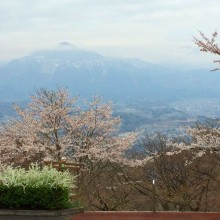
{"x":147,"y":216}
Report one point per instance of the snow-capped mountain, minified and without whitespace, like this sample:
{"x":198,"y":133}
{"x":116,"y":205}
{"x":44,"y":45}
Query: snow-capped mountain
{"x":87,"y":74}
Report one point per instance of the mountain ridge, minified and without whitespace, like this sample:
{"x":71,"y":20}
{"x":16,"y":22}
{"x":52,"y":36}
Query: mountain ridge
{"x":87,"y":74}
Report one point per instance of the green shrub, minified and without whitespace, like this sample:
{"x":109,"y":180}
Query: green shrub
{"x":35,"y":188}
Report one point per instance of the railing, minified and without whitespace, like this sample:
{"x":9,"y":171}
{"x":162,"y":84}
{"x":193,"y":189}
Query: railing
{"x":73,"y":168}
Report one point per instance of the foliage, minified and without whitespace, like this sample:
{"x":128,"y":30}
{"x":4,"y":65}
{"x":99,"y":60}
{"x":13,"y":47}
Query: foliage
{"x":35,"y":188}
{"x":186,"y":169}
{"x":54,"y":125}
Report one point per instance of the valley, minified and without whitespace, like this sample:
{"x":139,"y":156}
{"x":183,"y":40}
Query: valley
{"x":146,"y":96}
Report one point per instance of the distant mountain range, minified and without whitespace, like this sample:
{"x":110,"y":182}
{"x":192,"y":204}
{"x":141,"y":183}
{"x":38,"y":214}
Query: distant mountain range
{"x":87,"y":74}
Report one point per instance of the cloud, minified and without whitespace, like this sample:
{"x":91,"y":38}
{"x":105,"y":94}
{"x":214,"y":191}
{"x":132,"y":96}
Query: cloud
{"x":154,"y":25}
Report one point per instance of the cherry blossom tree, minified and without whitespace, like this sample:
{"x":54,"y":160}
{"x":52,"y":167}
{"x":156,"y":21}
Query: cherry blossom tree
{"x":204,"y":138}
{"x":54,"y":125}
{"x":204,"y":146}
{"x":208,"y":45}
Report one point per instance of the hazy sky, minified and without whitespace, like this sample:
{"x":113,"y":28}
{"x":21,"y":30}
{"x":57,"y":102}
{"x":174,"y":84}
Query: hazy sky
{"x":158,"y":31}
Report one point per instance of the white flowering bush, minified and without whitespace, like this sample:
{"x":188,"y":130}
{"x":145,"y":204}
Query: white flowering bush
{"x":35,"y":188}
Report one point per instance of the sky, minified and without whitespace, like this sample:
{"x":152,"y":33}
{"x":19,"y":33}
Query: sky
{"x":157,"y":31}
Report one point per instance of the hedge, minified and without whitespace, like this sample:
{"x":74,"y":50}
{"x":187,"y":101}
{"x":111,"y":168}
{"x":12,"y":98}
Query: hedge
{"x":35,"y":188}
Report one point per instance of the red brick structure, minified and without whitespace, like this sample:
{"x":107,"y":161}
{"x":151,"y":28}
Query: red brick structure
{"x":148,"y":216}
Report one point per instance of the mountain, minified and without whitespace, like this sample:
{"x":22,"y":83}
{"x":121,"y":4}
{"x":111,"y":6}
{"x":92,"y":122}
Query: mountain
{"x":87,"y":74}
